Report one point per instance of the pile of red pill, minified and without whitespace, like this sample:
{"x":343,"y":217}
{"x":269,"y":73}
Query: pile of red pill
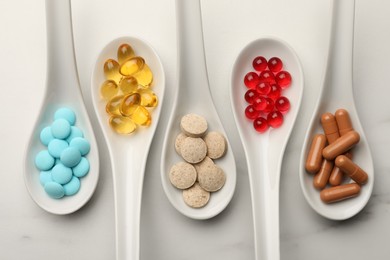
{"x":265,"y":85}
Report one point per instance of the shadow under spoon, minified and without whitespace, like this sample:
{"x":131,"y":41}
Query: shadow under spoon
{"x":62,"y":90}
{"x":337,"y":92}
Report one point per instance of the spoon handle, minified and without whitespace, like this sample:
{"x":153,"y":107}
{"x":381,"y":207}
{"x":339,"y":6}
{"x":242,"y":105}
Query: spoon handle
{"x":193,"y":80}
{"x":128,"y":166}
{"x":61,"y":63}
{"x":264,"y":174}
{"x":339,"y":69}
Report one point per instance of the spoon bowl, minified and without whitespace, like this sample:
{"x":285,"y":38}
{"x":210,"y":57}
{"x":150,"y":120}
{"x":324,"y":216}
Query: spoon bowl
{"x":337,"y":92}
{"x":62,"y":90}
{"x":128,"y":153}
{"x":264,"y":152}
{"x":194,"y":96}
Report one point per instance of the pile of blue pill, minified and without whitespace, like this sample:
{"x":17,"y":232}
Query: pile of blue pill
{"x":63,"y":163}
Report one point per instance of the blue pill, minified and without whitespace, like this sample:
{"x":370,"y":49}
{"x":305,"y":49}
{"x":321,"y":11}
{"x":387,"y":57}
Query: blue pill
{"x":74,"y":132}
{"x":44,"y":161}
{"x":70,"y":157}
{"x":81,"y":169}
{"x":44,"y":177}
{"x":56,"y":146}
{"x":72,"y":187}
{"x":82,"y":144}
{"x":60,"y":128}
{"x":61,"y":174}
{"x":67,"y":114}
{"x":46,"y":136}
{"x":54,"y":190}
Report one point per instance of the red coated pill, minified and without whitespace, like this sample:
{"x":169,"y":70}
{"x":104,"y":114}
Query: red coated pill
{"x":275,"y":64}
{"x":251,"y":112}
{"x":259,"y":63}
{"x":251,"y":80}
{"x":283,"y":78}
{"x":260,"y":124}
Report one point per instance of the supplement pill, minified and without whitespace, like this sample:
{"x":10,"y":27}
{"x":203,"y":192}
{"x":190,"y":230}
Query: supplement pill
{"x":144,"y":77}
{"x":131,"y":66}
{"x":196,"y":196}
{"x":148,"y":97}
{"x":44,"y":177}
{"x":61,"y":174}
{"x":70,"y":157}
{"x":314,"y":158}
{"x":128,"y":84}
{"x":129,"y":104}
{"x":193,"y":125}
{"x":60,"y":128}
{"x":44,"y":161}
{"x":329,"y":125}
{"x":46,"y":136}
{"x":341,"y":145}
{"x":141,"y":116}
{"x":54,"y":190}
{"x":111,"y":70}
{"x":182,"y":175}
{"x":339,"y":193}
{"x":81,"y":169}
{"x":337,"y":175}
{"x":72,"y":187}
{"x":108,"y":89}
{"x":124,"y":53}
{"x":351,"y":169}
{"x":56,"y":146}
{"x":81,"y":144}
{"x":122,"y":125}
{"x":216,"y":145}
{"x":67,"y":114}
{"x":343,"y":121}
{"x":74,"y":132}
{"x":193,"y":150}
{"x":321,"y":178}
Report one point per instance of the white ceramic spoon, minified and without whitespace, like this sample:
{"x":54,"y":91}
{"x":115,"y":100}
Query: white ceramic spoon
{"x":264,"y":152}
{"x":337,"y":92}
{"x":62,"y":90}
{"x":193,"y":96}
{"x":128,"y":153}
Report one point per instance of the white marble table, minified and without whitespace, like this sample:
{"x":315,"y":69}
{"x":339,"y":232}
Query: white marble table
{"x":27,"y":232}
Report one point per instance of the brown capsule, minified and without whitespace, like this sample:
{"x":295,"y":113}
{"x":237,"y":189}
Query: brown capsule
{"x":329,"y":125}
{"x":314,"y":158}
{"x":321,"y":178}
{"x":343,"y":121}
{"x":339,"y":193}
{"x":337,"y":175}
{"x":351,"y":169}
{"x":341,"y":145}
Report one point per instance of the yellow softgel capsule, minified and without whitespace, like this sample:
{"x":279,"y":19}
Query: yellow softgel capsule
{"x":141,"y":116}
{"x":108,"y":89}
{"x":129,"y":104}
{"x":132,"y":65}
{"x":125,"y":52}
{"x":148,"y":97}
{"x":122,"y":125}
{"x":111,"y":70}
{"x":128,"y":84}
{"x":144,"y":77}
{"x":112,"y":106}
